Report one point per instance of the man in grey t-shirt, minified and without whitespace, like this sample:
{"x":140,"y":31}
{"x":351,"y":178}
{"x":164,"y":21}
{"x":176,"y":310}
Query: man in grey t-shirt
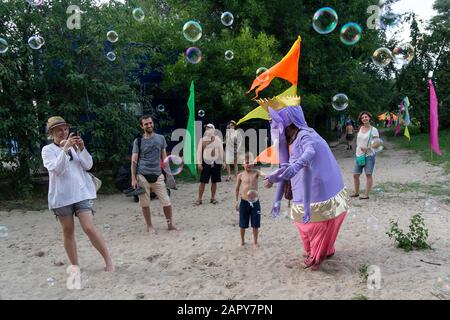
{"x":146,"y":172}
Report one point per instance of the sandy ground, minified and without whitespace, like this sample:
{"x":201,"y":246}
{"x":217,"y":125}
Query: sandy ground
{"x":203,"y":259}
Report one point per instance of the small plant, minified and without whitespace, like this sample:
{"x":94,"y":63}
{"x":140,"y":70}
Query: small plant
{"x":363,"y":272}
{"x":360,"y":297}
{"x":416,"y":237}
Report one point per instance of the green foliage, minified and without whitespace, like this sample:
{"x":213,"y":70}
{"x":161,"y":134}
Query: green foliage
{"x":363,"y":272}
{"x":420,"y":142}
{"x":70,"y":75}
{"x":414,"y":239}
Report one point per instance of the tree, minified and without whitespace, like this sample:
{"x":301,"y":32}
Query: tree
{"x":68,"y":76}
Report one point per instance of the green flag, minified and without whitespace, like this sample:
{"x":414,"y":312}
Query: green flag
{"x":189,"y":153}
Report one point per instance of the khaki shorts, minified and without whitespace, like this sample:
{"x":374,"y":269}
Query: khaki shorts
{"x":158,"y":187}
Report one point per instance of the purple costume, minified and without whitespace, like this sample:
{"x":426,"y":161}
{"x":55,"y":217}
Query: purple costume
{"x":319,"y":194}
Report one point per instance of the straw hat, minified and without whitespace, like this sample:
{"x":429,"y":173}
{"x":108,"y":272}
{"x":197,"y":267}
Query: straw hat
{"x":54,"y":122}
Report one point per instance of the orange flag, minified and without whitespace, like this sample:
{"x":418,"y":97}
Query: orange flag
{"x":286,"y":69}
{"x":269,"y":156}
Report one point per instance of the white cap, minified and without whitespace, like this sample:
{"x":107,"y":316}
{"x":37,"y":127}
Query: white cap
{"x":210,"y":125}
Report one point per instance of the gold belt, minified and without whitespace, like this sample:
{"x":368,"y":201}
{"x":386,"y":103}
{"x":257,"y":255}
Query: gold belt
{"x":324,"y":210}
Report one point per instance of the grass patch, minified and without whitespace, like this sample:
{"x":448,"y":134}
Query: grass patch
{"x":363,"y":271}
{"x":429,"y":189}
{"x":420,"y":142}
{"x":33,"y":204}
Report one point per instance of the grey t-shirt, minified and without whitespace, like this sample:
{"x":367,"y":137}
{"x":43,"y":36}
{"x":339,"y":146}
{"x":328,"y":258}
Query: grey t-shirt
{"x":150,"y":157}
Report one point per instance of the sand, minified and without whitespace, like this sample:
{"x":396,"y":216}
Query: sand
{"x":203,"y":260}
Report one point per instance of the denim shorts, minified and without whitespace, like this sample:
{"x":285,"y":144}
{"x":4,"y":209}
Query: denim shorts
{"x":74,"y":209}
{"x":368,"y":167}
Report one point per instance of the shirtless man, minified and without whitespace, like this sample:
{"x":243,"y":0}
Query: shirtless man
{"x":349,"y":134}
{"x":249,"y":208}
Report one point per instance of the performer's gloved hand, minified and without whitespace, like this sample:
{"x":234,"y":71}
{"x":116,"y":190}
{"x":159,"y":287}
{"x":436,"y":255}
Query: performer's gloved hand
{"x":275,"y":177}
{"x":291,"y":170}
{"x":276,"y":209}
{"x":307,"y":215}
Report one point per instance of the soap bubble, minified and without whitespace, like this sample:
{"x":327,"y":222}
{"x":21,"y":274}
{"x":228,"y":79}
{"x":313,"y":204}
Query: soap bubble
{"x":382,"y":57}
{"x":138,"y":14}
{"x":325,"y":20}
{"x":372,"y":223}
{"x":201,"y":113}
{"x":161,"y":108}
{"x":227,"y":18}
{"x":3,"y":45}
{"x":379,"y":148}
{"x":51,"y":281}
{"x":41,"y":40}
{"x":229,"y":55}
{"x":35,"y":42}
{"x":388,"y":18}
{"x":431,"y":206}
{"x":443,"y":284}
{"x":379,"y":190}
{"x":192,"y":31}
{"x":340,"y":102}
{"x":112,"y":36}
{"x":351,"y":33}
{"x":35,"y":3}
{"x":173,"y":165}
{"x":404,"y":53}
{"x":193,"y":55}
{"x":261,"y":74}
{"x":3,"y":231}
{"x":351,"y":214}
{"x":111,"y":56}
{"x":252,"y":195}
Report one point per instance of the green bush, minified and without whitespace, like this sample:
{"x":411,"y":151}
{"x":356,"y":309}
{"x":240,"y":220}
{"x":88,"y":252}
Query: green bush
{"x":415,"y":239}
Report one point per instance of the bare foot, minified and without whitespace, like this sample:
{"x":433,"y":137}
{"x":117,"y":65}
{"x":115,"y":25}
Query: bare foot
{"x":242,"y":244}
{"x":305,"y":254}
{"x":150,"y":229}
{"x":110,"y":268}
{"x":255,"y":246}
{"x":171,"y":227}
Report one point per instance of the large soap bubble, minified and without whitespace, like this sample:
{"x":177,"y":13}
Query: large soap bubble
{"x":325,"y":20}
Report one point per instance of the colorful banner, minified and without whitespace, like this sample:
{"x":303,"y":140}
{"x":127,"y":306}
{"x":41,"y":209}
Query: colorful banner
{"x":286,"y":69}
{"x":434,"y":120}
{"x":189,"y":153}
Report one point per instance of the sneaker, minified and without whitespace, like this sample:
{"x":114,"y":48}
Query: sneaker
{"x":128,"y":190}
{"x":136,"y":192}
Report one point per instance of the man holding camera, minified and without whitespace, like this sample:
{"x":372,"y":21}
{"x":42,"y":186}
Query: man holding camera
{"x":148,"y":154}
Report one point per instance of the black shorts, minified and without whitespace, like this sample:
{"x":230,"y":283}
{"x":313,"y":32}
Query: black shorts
{"x":249,"y":212}
{"x":212,"y":172}
{"x":349,"y":137}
